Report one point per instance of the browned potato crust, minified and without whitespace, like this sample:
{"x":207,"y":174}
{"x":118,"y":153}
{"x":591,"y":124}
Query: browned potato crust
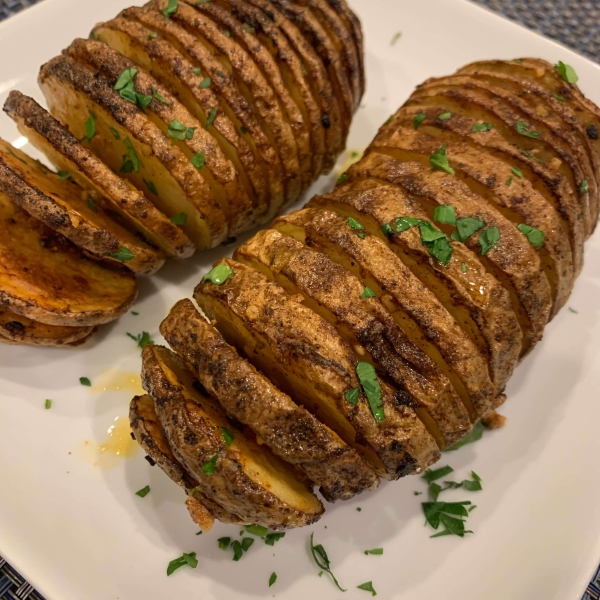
{"x":290,"y":431}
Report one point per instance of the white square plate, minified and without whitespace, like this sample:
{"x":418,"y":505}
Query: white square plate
{"x":70,"y":521}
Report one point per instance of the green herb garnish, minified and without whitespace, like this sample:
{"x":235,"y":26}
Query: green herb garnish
{"x":85,"y":381}
{"x":481,"y":127}
{"x":48,"y":404}
{"x":532,"y":156}
{"x":143,"y":492}
{"x":522,"y":129}
{"x":576,"y":312}
{"x":473,"y":436}
{"x":567,"y":72}
{"x":159,"y":97}
{"x":435,"y":474}
{"x":429,"y":233}
{"x":171,"y":9}
{"x":64,"y":175}
{"x":449,"y":515}
{"x":438,"y":160}
{"x":535,"y":236}
{"x":463,"y":267}
{"x":271,"y":538}
{"x":211,"y":118}
{"x":517,"y":172}
{"x":584,"y":187}
{"x":185,"y":559}
{"x":179,"y":219}
{"x":368,"y":587}
{"x":246,"y":543}
{"x":399,"y":224}
{"x":442,"y":250}
{"x":322,"y":560}
{"x":238,"y":551}
{"x":257,"y":530}
{"x":124,"y":255}
{"x":209,"y":466}
{"x":368,"y":293}
{"x":198,"y":160}
{"x":178,"y":131}
{"x":370,"y":384}
{"x":395,"y":38}
{"x":418,"y":119}
{"x":272,"y":579}
{"x":558,"y":97}
{"x":374,"y":551}
{"x":509,"y":182}
{"x":90,"y":128}
{"x":467,"y":226}
{"x":115,"y":133}
{"x":152,"y":36}
{"x":151,"y":186}
{"x":224,"y":543}
{"x":342,"y":178}
{"x":444,"y":214}
{"x":219,"y":274}
{"x":488,"y":239}
{"x":445,"y":116}
{"x":142,"y":339}
{"x":131,"y":162}
{"x":126,"y":87}
{"x":228,"y":436}
{"x":352,"y":396}
{"x":205,"y":83}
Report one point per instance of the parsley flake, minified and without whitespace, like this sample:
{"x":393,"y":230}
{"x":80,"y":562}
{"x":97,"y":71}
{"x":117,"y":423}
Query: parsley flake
{"x":271,"y":538}
{"x":567,"y":72}
{"x":151,"y":186}
{"x":115,"y":133}
{"x":438,"y":160}
{"x":85,"y":381}
{"x":211,"y":118}
{"x":159,"y":97}
{"x":431,"y":475}
{"x":209,"y":466}
{"x":90,"y":128}
{"x":342,"y":178}
{"x":558,"y":97}
{"x":228,"y":436}
{"x":257,"y":530}
{"x":142,"y":339}
{"x":322,"y":560}
{"x":124,"y":255}
{"x":219,"y":274}
{"x":509,"y":182}
{"x":48,"y":404}
{"x":171,"y":9}
{"x":399,"y":224}
{"x":179,"y":219}
{"x":246,"y":543}
{"x":445,"y":116}
{"x":584,"y":187}
{"x":516,"y":171}
{"x":368,"y":587}
{"x":205,"y":83}
{"x":131,"y":161}
{"x":444,"y":214}
{"x":474,"y":435}
{"x":178,"y":131}
{"x":467,"y":226}
{"x":238,"y":551}
{"x":395,"y":38}
{"x":535,"y":236}
{"x":375,"y":551}
{"x":463,"y":267}
{"x":523,"y":130}
{"x":143,"y":492}
{"x":152,"y":36}
{"x":488,"y":239}
{"x":481,"y":127}
{"x":352,"y":395}
{"x":272,"y":579}
{"x":368,"y":293}
{"x":185,"y":559}
{"x":64,"y":175}
{"x":370,"y":384}
{"x":198,"y":160}
{"x":224,"y":542}
{"x":418,"y":119}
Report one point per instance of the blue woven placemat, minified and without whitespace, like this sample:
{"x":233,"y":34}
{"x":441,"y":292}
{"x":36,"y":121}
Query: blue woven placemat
{"x":574,"y":23}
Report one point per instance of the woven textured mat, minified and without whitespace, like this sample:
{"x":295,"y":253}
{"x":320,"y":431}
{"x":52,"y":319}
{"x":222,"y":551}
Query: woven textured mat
{"x":574,"y":23}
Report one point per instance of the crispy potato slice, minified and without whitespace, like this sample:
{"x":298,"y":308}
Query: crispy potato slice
{"x":364,"y":323}
{"x":250,"y":398}
{"x":195,"y":92}
{"x":240,"y":109}
{"x":46,"y":278}
{"x":478,"y":303}
{"x":549,"y":148}
{"x":165,"y":108}
{"x":549,"y":183}
{"x":148,"y":432}
{"x":426,"y":322}
{"x":23,"y":331}
{"x":237,"y":64}
{"x":246,"y":479}
{"x":305,"y":357}
{"x":512,"y":260}
{"x":257,"y":49}
{"x":63,"y":206}
{"x":68,"y":154}
{"x":331,"y":119}
{"x":76,"y":95}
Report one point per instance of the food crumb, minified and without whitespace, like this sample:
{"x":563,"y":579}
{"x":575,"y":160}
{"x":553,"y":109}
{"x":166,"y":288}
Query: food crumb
{"x":492,"y":420}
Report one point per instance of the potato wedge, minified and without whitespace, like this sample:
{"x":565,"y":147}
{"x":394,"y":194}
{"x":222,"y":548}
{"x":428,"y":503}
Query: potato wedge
{"x":478,"y":303}
{"x":148,"y":432}
{"x":549,"y":183}
{"x":63,"y":206}
{"x":244,"y":478}
{"x":289,"y":430}
{"x":307,"y":359}
{"x":416,"y":310}
{"x":23,"y":331}
{"x":77,"y":96}
{"x":365,"y":324}
{"x":195,"y":91}
{"x":118,"y":197}
{"x":164,"y":110}
{"x":46,"y":278}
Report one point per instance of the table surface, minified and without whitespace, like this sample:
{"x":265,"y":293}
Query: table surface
{"x":574,"y":23}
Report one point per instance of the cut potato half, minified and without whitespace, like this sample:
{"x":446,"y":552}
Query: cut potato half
{"x":46,"y":278}
{"x":117,"y":196}
{"x":78,"y":97}
{"x":306,"y":358}
{"x":289,"y":430}
{"x":23,"y":331}
{"x":63,"y":206}
{"x":243,"y":477}
{"x":148,"y":432}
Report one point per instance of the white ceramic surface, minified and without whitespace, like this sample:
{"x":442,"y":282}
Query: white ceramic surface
{"x":77,"y":531}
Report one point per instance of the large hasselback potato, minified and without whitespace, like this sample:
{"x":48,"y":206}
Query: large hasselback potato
{"x":395,"y":308}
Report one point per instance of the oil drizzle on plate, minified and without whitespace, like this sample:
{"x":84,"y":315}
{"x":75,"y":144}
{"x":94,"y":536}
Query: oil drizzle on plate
{"x":117,"y":445}
{"x":119,"y":381}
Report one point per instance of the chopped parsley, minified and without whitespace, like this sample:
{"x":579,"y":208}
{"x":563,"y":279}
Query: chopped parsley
{"x":271,"y":538}
{"x":124,"y":255}
{"x":342,"y":178}
{"x":395,"y":38}
{"x":570,"y":310}
{"x":197,"y":71}
{"x":473,"y":436}
{"x":85,"y":381}
{"x":352,"y":396}
{"x":151,"y":186}
{"x":463,"y":267}
{"x":436,"y":241}
{"x":224,"y":543}
{"x":532,"y":157}
{"x":488,"y":239}
{"x":126,"y":87}
{"x":64,"y":175}
{"x":567,"y":72}
{"x":238,"y":551}
{"x":115,"y":133}
{"x":523,"y":130}
{"x":143,"y":492}
{"x":135,"y":313}
{"x":444,"y":214}
{"x":90,"y":128}
{"x":354,"y":224}
{"x":159,"y":97}
{"x":14,"y":154}
{"x":322,"y":560}
{"x":152,"y":36}
{"x":466,"y":227}
{"x":248,"y":28}
{"x":211,"y":118}
{"x":368,"y":587}
{"x":48,"y":404}
{"x":272,"y":579}
{"x":447,"y":514}
{"x":558,"y":97}
{"x":431,"y":475}
{"x":481,"y":127}
{"x":185,"y":559}
{"x":418,"y":119}
{"x":219,"y":274}
{"x":445,"y":116}
{"x":205,"y":83}
{"x":246,"y":543}
{"x":509,"y":182}
{"x":171,"y":9}
{"x":179,"y":219}
{"x":198,"y":160}
{"x":131,"y":161}
{"x":178,"y":131}
{"x":399,"y":224}
{"x":516,"y":171}
{"x":368,"y":293}
{"x":375,"y":551}
{"x":91,"y":204}
{"x":142,"y":339}
{"x":257,"y":530}
{"x":370,"y":384}
{"x":228,"y":436}
{"x":535,"y":236}
{"x":584,"y":187}
{"x":438,"y":160}
{"x":209,"y":466}
{"x":358,"y":509}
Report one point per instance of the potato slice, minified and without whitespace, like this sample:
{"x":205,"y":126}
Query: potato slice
{"x":551,"y":184}
{"x":478,"y":303}
{"x":365,"y":324}
{"x":46,"y":278}
{"x":416,"y":310}
{"x":306,"y":358}
{"x":260,"y":54}
{"x":119,"y":197}
{"x":148,"y":432}
{"x":218,"y":170}
{"x":244,"y":478}
{"x":63,"y":206}
{"x":549,"y":148}
{"x":237,"y":64}
{"x":195,"y":92}
{"x":250,"y":398}
{"x":332,"y":118}
{"x":23,"y":331}
{"x":77,"y":96}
